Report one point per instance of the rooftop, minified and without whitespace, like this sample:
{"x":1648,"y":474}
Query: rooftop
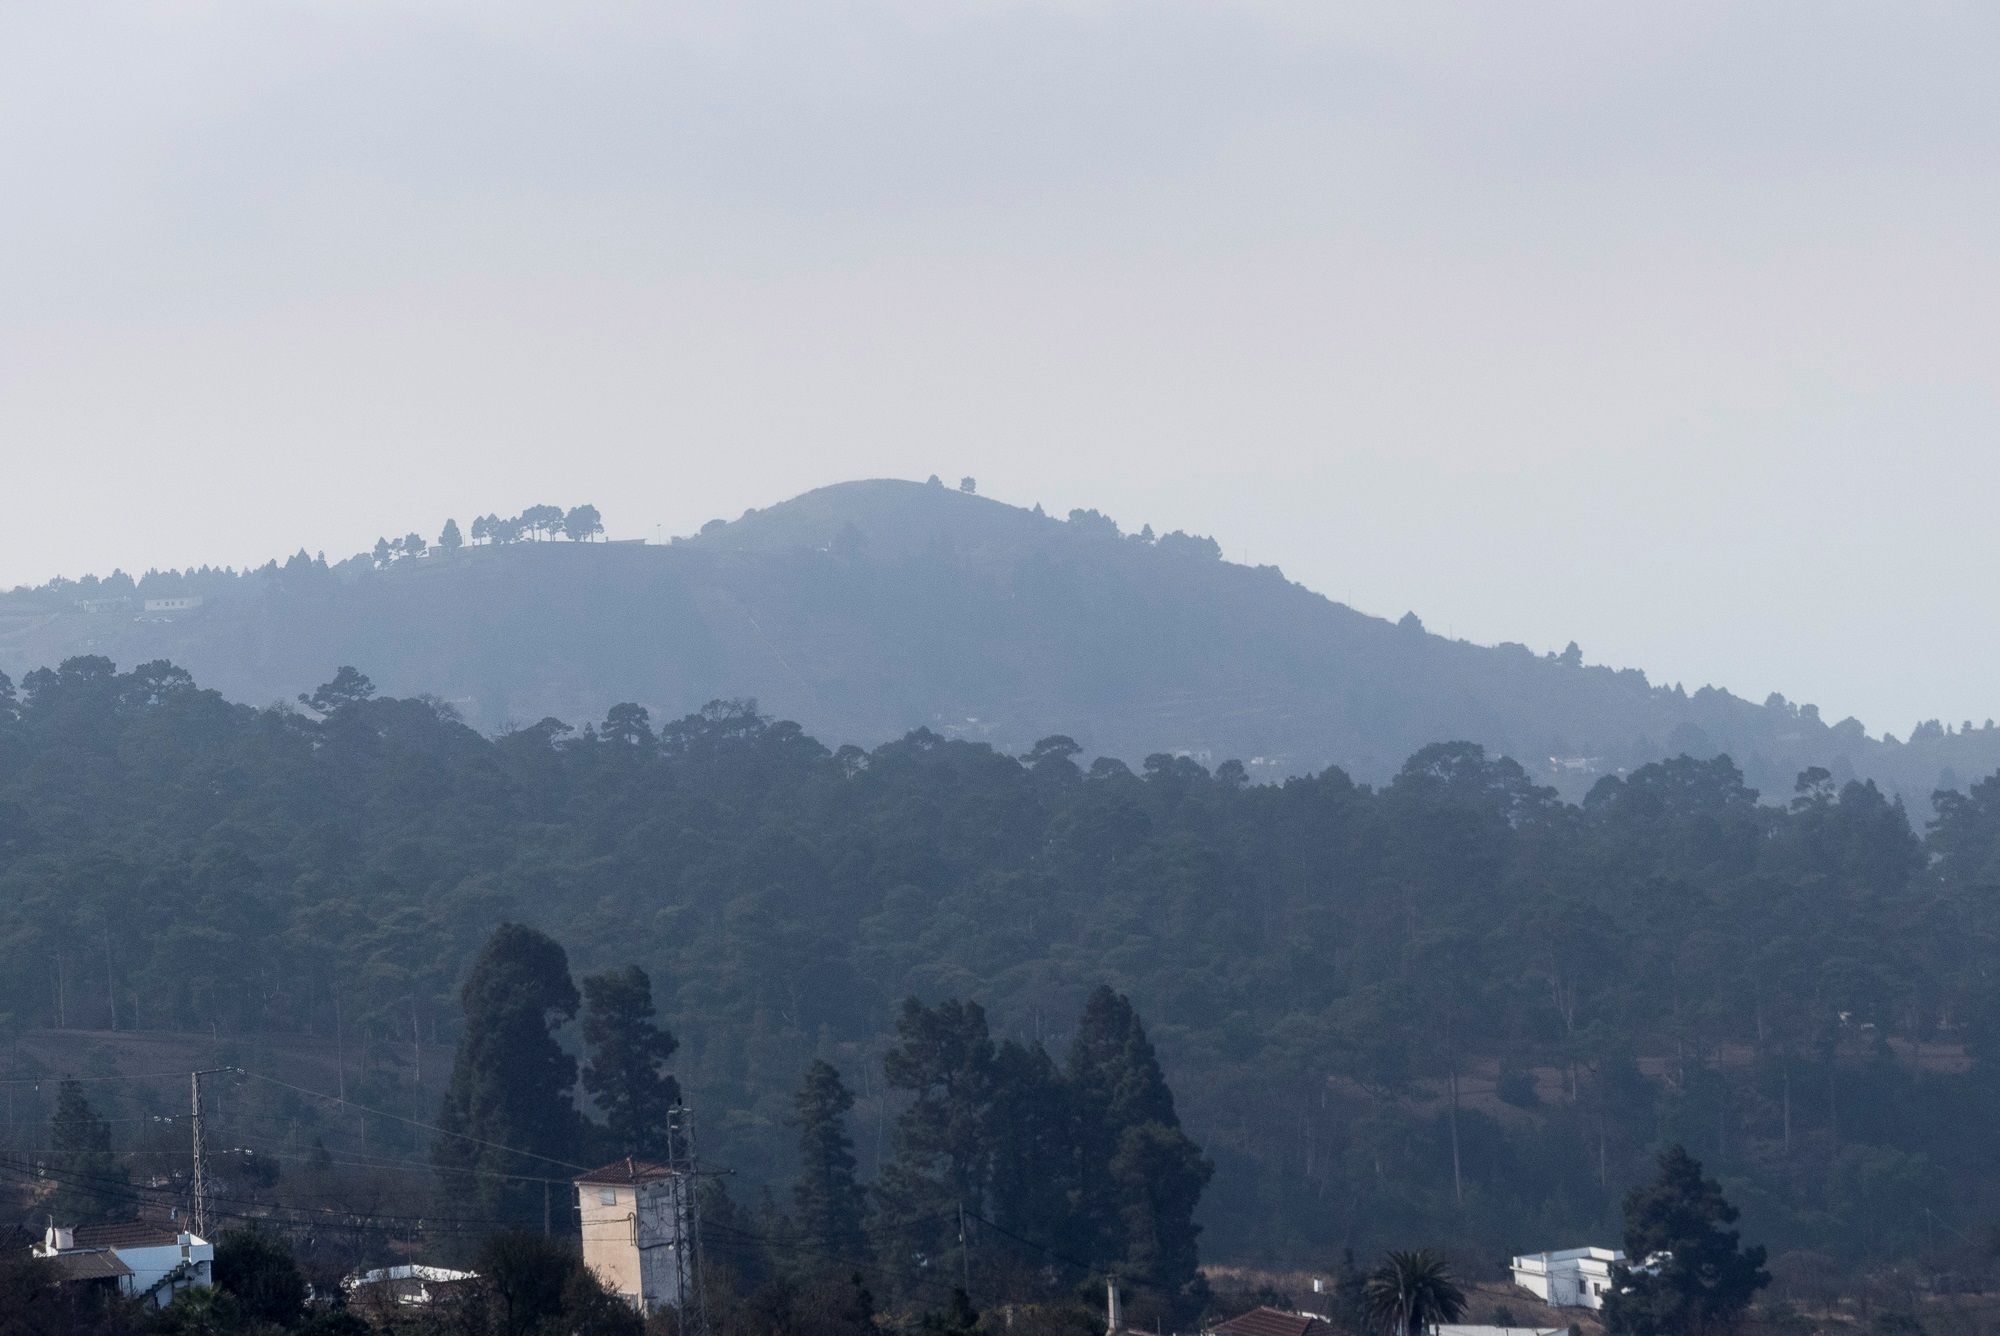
{"x":95,"y":1264}
{"x":1573,"y":1255}
{"x":626,"y":1173}
{"x":389,"y":1274}
{"x":129,"y":1234}
{"x":1274,"y":1322}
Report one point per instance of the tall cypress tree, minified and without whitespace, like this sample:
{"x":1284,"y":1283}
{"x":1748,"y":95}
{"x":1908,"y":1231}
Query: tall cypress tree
{"x":627,"y":1051}
{"x":1113,"y":1066}
{"x":828,"y":1202}
{"x":1141,"y":1175}
{"x":509,"y":1114}
{"x":91,"y":1184}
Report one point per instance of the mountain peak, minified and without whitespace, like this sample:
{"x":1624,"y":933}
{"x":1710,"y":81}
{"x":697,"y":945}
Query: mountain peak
{"x":868,"y":608}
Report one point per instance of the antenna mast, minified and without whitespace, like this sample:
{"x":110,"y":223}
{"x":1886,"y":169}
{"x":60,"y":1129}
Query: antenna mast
{"x":200,"y":1211}
{"x":681,"y":1158}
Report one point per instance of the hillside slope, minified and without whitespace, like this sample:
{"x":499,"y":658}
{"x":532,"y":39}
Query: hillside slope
{"x":866,"y":609}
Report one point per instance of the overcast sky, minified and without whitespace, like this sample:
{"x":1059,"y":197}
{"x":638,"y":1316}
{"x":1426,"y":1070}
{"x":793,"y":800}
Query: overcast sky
{"x":1669,"y":329}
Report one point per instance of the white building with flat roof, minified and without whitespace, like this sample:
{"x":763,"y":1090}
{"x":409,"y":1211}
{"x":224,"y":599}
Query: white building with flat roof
{"x":1571,"y":1278}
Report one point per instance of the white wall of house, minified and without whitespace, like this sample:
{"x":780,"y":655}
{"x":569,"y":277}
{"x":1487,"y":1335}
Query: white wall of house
{"x":1571,"y":1278}
{"x":632,"y":1239}
{"x":152,"y":1265}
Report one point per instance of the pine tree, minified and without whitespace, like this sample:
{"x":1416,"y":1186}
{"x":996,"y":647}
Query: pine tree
{"x":828,"y":1203}
{"x":450,"y":539}
{"x":1035,"y":1164}
{"x":91,"y":1184}
{"x":627,"y":1050}
{"x":943,"y":1057}
{"x":508,"y":1113}
{"x":1687,"y":1274}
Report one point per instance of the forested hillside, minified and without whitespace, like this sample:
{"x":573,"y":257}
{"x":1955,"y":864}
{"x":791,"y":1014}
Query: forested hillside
{"x":1452,"y":1007}
{"x":866,"y":609}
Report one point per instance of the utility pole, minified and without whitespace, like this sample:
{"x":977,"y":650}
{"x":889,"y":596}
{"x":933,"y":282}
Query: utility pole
{"x":964,"y":1256}
{"x":110,"y":979}
{"x":201,"y":1152}
{"x":693,"y":1291}
{"x":339,"y":1049}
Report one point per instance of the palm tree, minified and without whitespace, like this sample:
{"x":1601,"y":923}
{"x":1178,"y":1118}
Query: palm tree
{"x":1410,"y":1293}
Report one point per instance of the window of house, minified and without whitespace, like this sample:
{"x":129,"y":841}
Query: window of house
{"x":607,"y":1197}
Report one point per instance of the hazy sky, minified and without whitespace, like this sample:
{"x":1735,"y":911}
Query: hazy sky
{"x":1670,"y":329}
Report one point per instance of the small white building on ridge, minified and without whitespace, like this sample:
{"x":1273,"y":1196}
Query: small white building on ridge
{"x":1571,"y":1278}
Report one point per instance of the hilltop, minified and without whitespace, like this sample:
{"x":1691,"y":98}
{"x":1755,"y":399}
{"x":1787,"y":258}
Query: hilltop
{"x":866,"y":609}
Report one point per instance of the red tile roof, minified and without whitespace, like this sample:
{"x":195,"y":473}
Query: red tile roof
{"x":627,"y":1172}
{"x":128,"y":1234}
{"x":1274,"y":1322}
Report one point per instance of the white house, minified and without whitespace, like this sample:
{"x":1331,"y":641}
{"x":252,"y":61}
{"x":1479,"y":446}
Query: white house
{"x":157,"y":606}
{"x":402,"y":1286}
{"x":636,"y":1233}
{"x":1572,"y":1278}
{"x":157,"y":1261}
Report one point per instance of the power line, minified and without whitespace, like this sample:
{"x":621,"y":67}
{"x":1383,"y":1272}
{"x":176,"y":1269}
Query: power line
{"x":305,"y":1218}
{"x":297,"y":1216}
{"x":57,"y":1078}
{"x":1038,"y":1247}
{"x":413,"y":1122}
{"x":744,"y":1238}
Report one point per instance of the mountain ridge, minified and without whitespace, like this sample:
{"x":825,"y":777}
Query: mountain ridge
{"x":868,"y":608}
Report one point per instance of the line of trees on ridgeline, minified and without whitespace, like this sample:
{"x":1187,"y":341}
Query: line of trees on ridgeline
{"x":579,"y":524}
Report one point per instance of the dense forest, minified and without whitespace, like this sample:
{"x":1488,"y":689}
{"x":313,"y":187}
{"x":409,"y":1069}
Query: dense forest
{"x":866,"y":609}
{"x":1452,"y":1007}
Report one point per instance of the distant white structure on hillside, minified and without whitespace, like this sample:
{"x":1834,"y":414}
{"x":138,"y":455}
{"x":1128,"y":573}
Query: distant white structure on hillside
{"x":156,"y":606}
{"x":1572,"y":1278}
{"x":391,"y":1287}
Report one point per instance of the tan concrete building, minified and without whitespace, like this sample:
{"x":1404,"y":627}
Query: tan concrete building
{"x":635,"y":1218}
